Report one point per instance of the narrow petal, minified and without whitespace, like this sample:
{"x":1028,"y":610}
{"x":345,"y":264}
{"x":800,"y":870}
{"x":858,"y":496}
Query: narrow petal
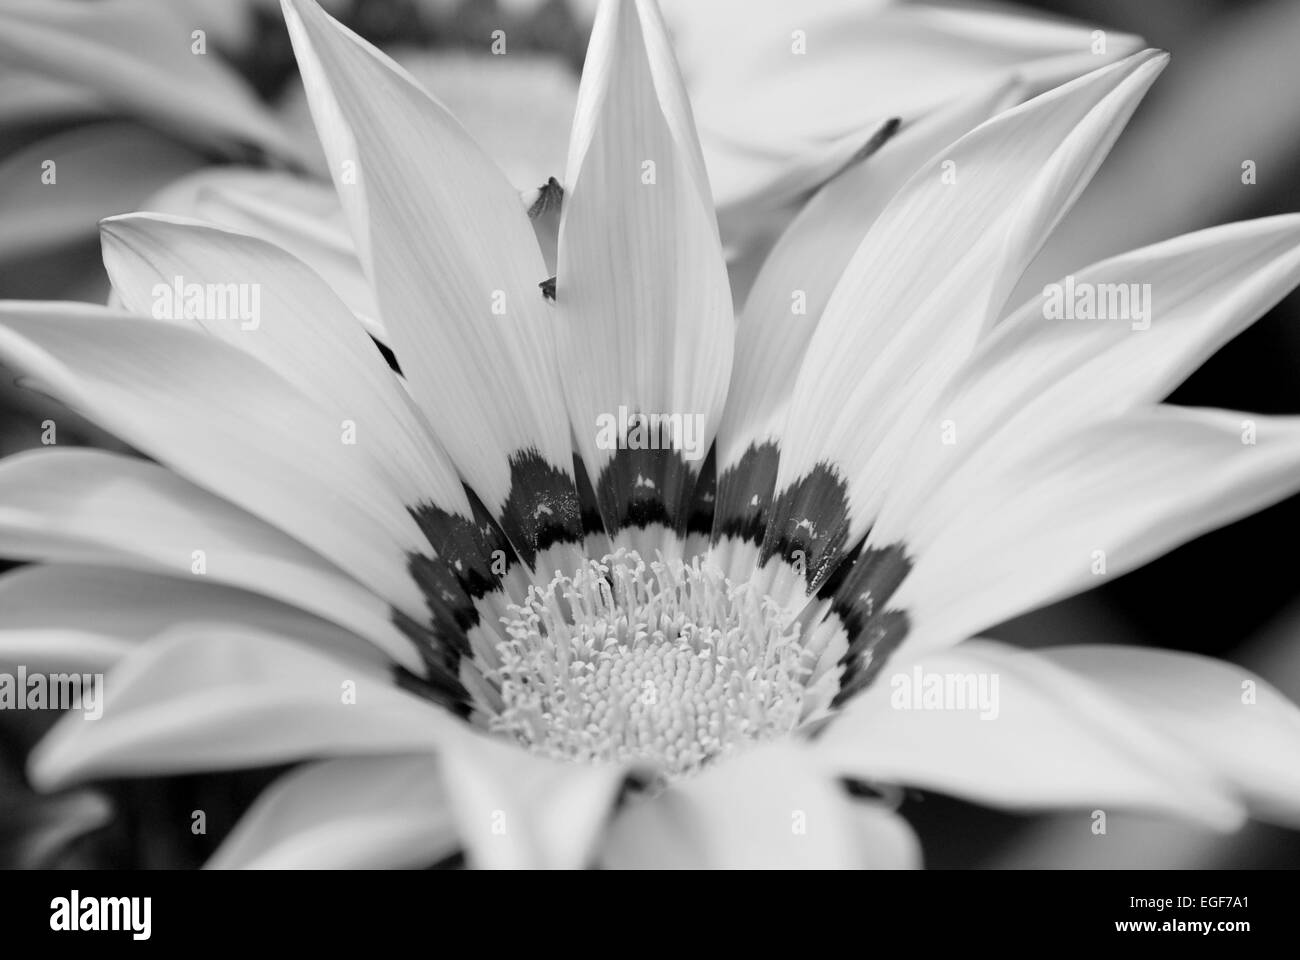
{"x":1222,"y":63}
{"x":298,"y":215}
{"x":1163,"y":310}
{"x":88,"y":506}
{"x":226,"y":422}
{"x":217,"y":697}
{"x":451,"y":256}
{"x":928,"y":279}
{"x":1015,"y":730}
{"x":770,"y":807}
{"x":1101,"y":500}
{"x":63,"y":616}
{"x":299,"y":329}
{"x":786,"y":303}
{"x":1236,"y":724}
{"x":305,"y":334}
{"x":642,"y":298}
{"x":749,"y":228}
{"x":354,"y":813}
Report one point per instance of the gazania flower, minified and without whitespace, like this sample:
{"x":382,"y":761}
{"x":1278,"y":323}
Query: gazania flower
{"x":506,"y":604}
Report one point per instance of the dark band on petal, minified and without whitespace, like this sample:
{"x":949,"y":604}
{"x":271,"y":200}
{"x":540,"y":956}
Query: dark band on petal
{"x":642,"y":488}
{"x":809,"y":524}
{"x":591,"y":521}
{"x":542,"y":508}
{"x":880,"y":638}
{"x":451,"y":611}
{"x":454,"y":698}
{"x":859,"y":591}
{"x":449,"y":582}
{"x":744,"y":495}
{"x":699,"y":515}
{"x":440,"y":645}
{"x":475,"y":550}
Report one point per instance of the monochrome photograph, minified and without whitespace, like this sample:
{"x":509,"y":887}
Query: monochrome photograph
{"x":650,"y":435}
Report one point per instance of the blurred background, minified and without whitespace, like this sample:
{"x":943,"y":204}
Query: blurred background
{"x":1228,"y":97}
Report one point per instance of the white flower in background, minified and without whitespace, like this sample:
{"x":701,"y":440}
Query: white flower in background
{"x":138,"y":108}
{"x":785,"y":94}
{"x":425,"y":589}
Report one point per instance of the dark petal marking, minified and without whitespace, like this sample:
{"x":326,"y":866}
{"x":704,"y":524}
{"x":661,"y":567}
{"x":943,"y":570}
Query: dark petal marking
{"x":441,"y":640}
{"x":448,"y":695}
{"x":470,"y":548}
{"x":862,"y":585}
{"x":744,"y":495}
{"x":859,"y":590}
{"x":441,"y":680}
{"x":542,"y":508}
{"x":809,"y":524}
{"x":451,"y":612}
{"x":591,"y":521}
{"x":548,"y":288}
{"x":390,"y":358}
{"x":699,"y":516}
{"x":640,"y":488}
{"x":880,"y":638}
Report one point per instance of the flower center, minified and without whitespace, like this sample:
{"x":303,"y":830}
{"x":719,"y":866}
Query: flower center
{"x":661,"y":662}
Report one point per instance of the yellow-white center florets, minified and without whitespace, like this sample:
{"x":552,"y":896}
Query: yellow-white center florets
{"x":663,"y":662}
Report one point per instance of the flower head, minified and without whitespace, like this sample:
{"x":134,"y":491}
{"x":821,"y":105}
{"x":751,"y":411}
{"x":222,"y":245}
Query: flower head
{"x":485,"y":618}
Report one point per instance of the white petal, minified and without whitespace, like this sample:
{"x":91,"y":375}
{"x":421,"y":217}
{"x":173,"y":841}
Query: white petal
{"x":929,"y":278}
{"x":298,"y":215}
{"x":85,"y":618}
{"x":519,"y":810}
{"x":1236,"y":724}
{"x":791,"y":291}
{"x":642,"y":299}
{"x":224,"y":421}
{"x":301,"y":331}
{"x":451,"y":256}
{"x":1222,"y":63}
{"x":1035,"y":376}
{"x":769,"y":807}
{"x":771,"y":201}
{"x":516,"y":107}
{"x":217,"y":697}
{"x":1100,"y":500}
{"x":355,"y":813}
{"x":87,"y":506}
{"x":1042,"y":737}
{"x":862,"y":62}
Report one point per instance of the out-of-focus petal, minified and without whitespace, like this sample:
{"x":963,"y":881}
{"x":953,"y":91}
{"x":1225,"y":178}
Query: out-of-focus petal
{"x":353,"y":813}
{"x":768,"y":807}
